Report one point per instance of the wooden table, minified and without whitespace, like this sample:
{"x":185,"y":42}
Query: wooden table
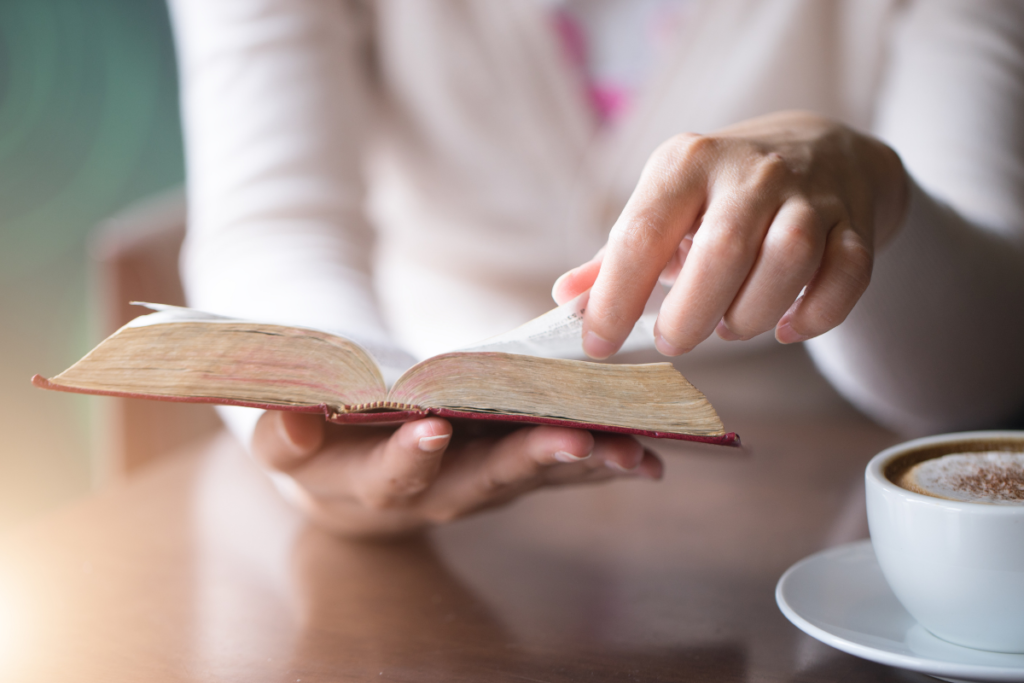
{"x":196,"y":571}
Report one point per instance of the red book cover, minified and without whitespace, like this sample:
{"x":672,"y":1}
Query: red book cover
{"x":396,"y":417}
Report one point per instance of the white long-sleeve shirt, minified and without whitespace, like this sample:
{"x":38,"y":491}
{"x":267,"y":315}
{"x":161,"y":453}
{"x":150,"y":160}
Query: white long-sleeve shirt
{"x":419,"y":171}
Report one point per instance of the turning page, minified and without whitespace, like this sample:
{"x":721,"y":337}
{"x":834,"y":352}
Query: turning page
{"x":559,"y":332}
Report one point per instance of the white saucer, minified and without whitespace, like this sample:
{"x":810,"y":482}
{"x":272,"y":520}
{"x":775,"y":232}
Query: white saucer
{"x":840,"y":597}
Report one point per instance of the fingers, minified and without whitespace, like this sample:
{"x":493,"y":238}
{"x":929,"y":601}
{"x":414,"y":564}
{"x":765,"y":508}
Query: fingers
{"x":651,"y":466}
{"x":403,"y":466}
{"x":578,"y":280}
{"x":492,"y":473}
{"x":789,"y":256}
{"x":722,"y":255}
{"x":661,"y":211}
{"x":283,"y":440}
{"x":675,"y":264}
{"x":379,"y":468}
{"x":366,"y":481}
{"x":527,"y":452}
{"x":489,"y":472}
{"x":844,"y":275}
{"x":738,"y":223}
{"x":620,"y":453}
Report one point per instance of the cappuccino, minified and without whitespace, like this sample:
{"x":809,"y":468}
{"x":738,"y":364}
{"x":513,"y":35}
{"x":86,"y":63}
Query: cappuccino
{"x":954,"y":556}
{"x":992,"y":477}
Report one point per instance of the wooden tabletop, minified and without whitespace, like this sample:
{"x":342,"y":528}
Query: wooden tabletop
{"x":196,"y":571}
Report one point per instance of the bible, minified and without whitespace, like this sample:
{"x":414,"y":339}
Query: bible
{"x":177,"y":354}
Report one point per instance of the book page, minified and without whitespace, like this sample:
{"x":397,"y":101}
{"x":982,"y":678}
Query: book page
{"x":559,"y":332}
{"x":391,"y":361}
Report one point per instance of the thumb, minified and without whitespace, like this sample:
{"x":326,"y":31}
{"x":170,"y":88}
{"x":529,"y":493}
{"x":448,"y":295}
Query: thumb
{"x":283,"y":440}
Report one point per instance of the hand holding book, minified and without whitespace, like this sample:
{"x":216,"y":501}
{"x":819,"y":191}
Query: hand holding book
{"x":360,"y":481}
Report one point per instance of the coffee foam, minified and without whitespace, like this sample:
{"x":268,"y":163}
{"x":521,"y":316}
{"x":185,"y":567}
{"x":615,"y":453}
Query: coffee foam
{"x":994,"y":477}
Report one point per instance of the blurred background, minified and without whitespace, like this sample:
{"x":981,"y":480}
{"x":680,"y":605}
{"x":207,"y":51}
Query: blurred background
{"x":88,"y":125}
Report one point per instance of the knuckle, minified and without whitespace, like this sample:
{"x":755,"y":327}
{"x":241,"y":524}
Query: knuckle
{"x":726,"y":243}
{"x":408,"y":487}
{"x":798,"y":242}
{"x":850,"y":278}
{"x":771,"y":170}
{"x":683,"y":150}
{"x":638,"y":235}
{"x":856,"y":264}
{"x":677,"y":146}
{"x":697,"y":147}
{"x":820,"y":318}
{"x":491,"y":484}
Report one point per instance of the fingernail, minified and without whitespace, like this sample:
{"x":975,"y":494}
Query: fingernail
{"x":597,"y":347}
{"x":666,"y":348}
{"x":723,"y":331}
{"x":612,"y":465}
{"x":565,"y":456}
{"x":787,"y":335}
{"x":431,"y":444}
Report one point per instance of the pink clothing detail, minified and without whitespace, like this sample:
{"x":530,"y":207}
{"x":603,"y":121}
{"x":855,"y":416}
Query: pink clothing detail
{"x":607,"y":100}
{"x":574,"y":42}
{"x":614,"y":47}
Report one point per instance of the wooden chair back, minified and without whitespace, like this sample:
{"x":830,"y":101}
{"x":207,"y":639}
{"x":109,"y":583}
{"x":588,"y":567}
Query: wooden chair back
{"x":135,"y":254}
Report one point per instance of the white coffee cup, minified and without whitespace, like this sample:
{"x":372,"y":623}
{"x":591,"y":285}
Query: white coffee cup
{"x":957,"y":567}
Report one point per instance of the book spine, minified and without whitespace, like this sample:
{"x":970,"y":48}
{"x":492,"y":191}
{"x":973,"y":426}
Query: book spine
{"x":378,"y":405}
{"x":398,"y":417}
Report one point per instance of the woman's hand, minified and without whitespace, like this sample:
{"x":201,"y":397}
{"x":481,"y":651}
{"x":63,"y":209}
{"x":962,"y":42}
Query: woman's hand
{"x":739,"y":223}
{"x":372,"y":481}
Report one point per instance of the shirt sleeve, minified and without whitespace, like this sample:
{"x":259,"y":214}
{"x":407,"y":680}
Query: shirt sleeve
{"x":935,"y":342}
{"x":277,"y":104}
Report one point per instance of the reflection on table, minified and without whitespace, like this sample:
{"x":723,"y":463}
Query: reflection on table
{"x":196,"y":571}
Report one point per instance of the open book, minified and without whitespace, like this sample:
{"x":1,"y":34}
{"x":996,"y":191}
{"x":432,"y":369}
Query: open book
{"x":177,"y":354}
